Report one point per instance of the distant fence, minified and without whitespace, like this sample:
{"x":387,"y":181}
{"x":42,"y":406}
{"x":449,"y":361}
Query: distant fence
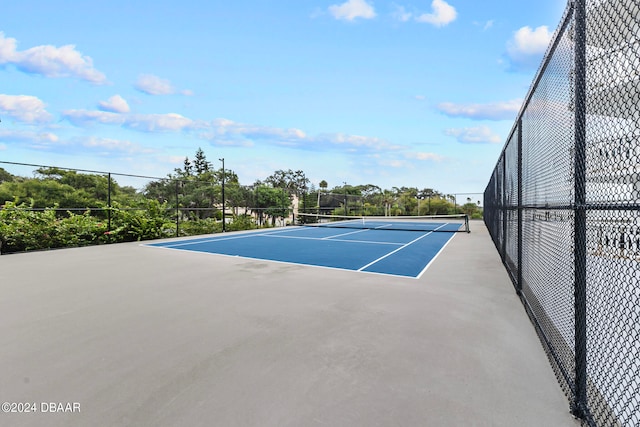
{"x":106,"y":207}
{"x":167,"y":206}
{"x":373,"y":204}
{"x":563,"y":208}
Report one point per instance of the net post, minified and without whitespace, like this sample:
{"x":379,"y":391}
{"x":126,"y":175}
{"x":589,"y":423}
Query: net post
{"x":466,"y":224}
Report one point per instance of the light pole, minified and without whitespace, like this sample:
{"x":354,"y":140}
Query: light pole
{"x":223,"y":206}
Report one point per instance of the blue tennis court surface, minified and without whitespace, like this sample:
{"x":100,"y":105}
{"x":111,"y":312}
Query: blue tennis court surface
{"x":398,"y":253}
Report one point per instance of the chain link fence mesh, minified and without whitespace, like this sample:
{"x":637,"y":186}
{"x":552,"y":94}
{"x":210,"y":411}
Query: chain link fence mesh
{"x":563,"y":208}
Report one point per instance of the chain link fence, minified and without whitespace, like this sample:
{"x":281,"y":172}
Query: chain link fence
{"x":64,"y":207}
{"x":562,"y":207}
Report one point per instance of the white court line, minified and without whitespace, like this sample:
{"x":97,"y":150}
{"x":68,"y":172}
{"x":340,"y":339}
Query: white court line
{"x":343,"y":234}
{"x":335,"y":240}
{"x":220,"y":239}
{"x":435,"y":256}
{"x":400,"y":248}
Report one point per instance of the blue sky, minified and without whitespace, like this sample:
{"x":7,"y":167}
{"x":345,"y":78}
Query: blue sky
{"x":392,"y":93}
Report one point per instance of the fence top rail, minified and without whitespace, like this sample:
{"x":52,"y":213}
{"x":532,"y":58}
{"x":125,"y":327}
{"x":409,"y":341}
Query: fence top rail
{"x":97,"y":172}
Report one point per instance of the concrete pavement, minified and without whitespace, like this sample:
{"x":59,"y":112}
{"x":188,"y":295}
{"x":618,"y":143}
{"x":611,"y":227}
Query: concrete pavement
{"x":140,"y":336}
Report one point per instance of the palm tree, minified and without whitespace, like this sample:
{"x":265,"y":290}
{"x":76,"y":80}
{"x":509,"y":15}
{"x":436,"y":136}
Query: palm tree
{"x":388,"y":197}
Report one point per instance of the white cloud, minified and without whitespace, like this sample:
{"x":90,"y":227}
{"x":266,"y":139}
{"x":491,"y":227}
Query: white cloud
{"x":475,"y":135}
{"x":443,"y":14}
{"x":226,"y":132}
{"x":115,"y":104}
{"x":83,"y":117}
{"x":24,"y":108}
{"x":425,"y":156}
{"x":36,"y":138}
{"x":401,"y":14}
{"x":159,"y":122}
{"x":140,"y":122}
{"x":50,"y":61}
{"x":394,"y":163}
{"x":154,"y":85}
{"x":528,"y":41}
{"x":352,"y":9}
{"x":177,"y":160}
{"x":8,"y":48}
{"x":108,"y":145}
{"x":506,"y":110}
{"x":526,"y":48}
{"x":358,"y":143}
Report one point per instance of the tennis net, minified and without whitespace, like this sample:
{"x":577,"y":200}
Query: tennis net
{"x":449,"y":223}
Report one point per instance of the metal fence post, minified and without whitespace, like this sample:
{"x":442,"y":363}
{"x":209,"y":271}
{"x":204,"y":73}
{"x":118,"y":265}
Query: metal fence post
{"x":224,"y":213}
{"x":579,"y":405}
{"x":177,"y":209}
{"x":109,"y":203}
{"x":503,"y":209}
{"x":520,"y":208}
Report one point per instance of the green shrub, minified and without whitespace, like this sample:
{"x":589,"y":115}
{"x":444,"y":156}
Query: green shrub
{"x":149,"y":221}
{"x":199,"y":226}
{"x":242,"y":222}
{"x":24,"y":229}
{"x":79,"y":230}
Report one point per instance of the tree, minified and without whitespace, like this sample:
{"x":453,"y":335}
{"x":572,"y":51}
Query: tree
{"x":200,"y":162}
{"x":408,"y":202}
{"x":61,"y":187}
{"x":388,"y":197}
{"x":295,"y":182}
{"x":198,"y":187}
{"x":188,"y":168}
{"x":271,"y":202}
{"x":472,"y":209}
{"x":5,"y":176}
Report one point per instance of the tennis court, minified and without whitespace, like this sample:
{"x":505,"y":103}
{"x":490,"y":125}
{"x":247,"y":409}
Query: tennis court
{"x":390,"y":246}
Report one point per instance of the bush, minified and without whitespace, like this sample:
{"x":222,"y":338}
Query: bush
{"x":24,"y":229}
{"x":78,"y":230}
{"x":149,"y":221}
{"x":201,"y":226}
{"x":242,"y":222}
